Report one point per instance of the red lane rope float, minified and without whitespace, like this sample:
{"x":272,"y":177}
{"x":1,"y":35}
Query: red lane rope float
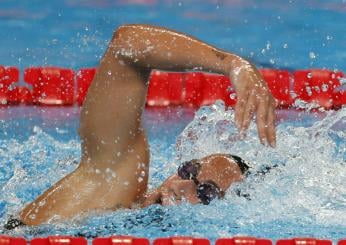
{"x":243,"y":241}
{"x":61,"y":86}
{"x":8,"y":76}
{"x":177,"y":240}
{"x":51,"y":85}
{"x":317,"y":86}
{"x":59,"y":240}
{"x":84,"y":79}
{"x":181,"y":240}
{"x":120,"y":240}
{"x":304,"y":241}
{"x":6,"y":240}
{"x":165,"y":89}
{"x":279,"y":82}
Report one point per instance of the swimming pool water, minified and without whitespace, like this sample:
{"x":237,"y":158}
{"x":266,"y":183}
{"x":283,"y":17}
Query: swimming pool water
{"x":287,"y":34}
{"x":304,"y":196}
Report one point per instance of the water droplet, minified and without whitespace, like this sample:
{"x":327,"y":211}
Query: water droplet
{"x":41,"y":203}
{"x":268,"y":45}
{"x":312,"y":55}
{"x":232,"y":96}
{"x":308,"y":90}
{"x":317,"y":89}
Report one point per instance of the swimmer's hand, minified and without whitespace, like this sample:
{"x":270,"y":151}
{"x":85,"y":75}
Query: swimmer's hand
{"x":254,"y":97}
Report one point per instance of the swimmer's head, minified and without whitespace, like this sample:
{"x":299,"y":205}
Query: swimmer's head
{"x":199,"y":181}
{"x":221,"y":169}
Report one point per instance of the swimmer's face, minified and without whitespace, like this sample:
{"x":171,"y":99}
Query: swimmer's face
{"x":216,"y":168}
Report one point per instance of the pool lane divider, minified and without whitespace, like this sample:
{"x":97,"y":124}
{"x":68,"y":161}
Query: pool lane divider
{"x":64,"y":86}
{"x":176,"y":240}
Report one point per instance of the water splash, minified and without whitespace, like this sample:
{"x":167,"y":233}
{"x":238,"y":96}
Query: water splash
{"x":26,"y":165}
{"x":304,"y":196}
{"x":311,"y":160}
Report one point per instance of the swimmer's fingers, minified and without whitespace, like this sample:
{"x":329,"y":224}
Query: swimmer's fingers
{"x":243,"y":97}
{"x":249,"y":111}
{"x":265,"y":119}
{"x":271,"y":132}
{"x":266,"y":116}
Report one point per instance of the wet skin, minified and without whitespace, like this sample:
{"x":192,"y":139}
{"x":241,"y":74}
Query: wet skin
{"x":114,"y":166}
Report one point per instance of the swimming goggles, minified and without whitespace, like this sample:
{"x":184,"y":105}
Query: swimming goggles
{"x":206,"y":190}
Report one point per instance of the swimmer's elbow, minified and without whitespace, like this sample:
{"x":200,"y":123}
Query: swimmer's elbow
{"x":123,"y":32}
{"x":119,"y":32}
{"x":127,"y":44}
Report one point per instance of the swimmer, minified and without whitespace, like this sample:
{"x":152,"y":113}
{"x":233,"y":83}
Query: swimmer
{"x":113,"y":171}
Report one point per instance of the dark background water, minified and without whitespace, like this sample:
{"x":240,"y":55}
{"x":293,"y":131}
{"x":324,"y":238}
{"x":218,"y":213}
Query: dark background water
{"x":288,"y":34}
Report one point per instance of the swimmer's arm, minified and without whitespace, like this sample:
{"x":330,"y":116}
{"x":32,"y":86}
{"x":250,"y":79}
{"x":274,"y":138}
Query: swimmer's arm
{"x":148,"y":47}
{"x":159,"y":48}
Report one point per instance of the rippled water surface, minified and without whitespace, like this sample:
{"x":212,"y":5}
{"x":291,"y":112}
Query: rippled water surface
{"x":287,"y":34}
{"x":304,"y":196}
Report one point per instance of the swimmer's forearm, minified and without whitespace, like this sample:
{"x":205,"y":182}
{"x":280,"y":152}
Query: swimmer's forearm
{"x":153,"y":47}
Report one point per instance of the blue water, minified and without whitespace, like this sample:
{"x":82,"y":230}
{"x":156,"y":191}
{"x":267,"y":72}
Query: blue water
{"x":305,"y":196}
{"x":74,"y":33}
